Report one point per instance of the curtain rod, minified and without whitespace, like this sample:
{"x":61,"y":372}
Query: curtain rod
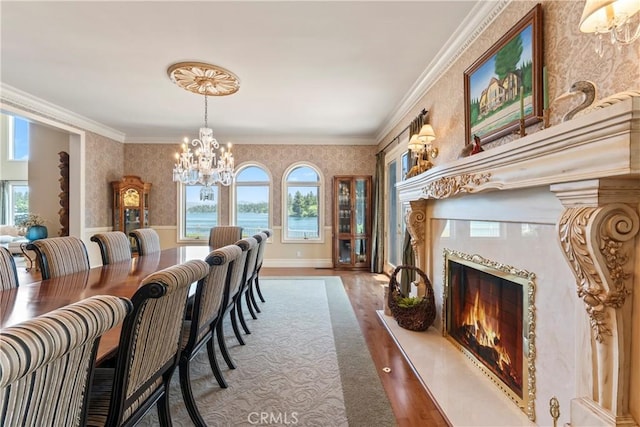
{"x":422,"y":113}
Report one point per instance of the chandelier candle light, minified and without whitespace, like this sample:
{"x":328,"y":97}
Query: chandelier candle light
{"x":208,"y":164}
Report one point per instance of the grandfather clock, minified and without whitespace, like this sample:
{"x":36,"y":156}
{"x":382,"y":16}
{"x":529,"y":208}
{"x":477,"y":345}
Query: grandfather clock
{"x":130,"y":204}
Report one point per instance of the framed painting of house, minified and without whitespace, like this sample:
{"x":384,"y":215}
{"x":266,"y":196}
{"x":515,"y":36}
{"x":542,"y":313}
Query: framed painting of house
{"x":505,"y":84}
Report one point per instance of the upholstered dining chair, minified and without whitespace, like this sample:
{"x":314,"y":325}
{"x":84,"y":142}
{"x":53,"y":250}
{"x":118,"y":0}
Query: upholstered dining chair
{"x":8,"y":271}
{"x":269,"y":233}
{"x":58,"y":256}
{"x":245,"y":285}
{"x":114,"y":246}
{"x":47,"y":362}
{"x":199,"y":330}
{"x":223,"y":235}
{"x":237,"y":292}
{"x":148,"y":351}
{"x":252,"y":304}
{"x":147,"y":240}
{"x":232,"y":284}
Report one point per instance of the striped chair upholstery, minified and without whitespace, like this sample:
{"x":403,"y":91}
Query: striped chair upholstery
{"x":199,"y":329}
{"x":148,"y":352}
{"x":46,"y":362}
{"x":8,"y":272}
{"x":234,"y":279}
{"x":245,"y":284}
{"x":252,"y":280}
{"x":114,"y":246}
{"x":269,"y":233}
{"x":147,"y":240}
{"x":58,"y":256}
{"x":223,"y":235}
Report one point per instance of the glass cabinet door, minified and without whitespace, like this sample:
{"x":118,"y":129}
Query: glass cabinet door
{"x":361,"y":203}
{"x":131,"y":202}
{"x":344,"y":206}
{"x":351,"y":221}
{"x":344,"y":251}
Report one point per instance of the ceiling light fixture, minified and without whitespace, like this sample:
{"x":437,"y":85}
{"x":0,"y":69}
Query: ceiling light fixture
{"x":209,"y":163}
{"x":611,"y":16}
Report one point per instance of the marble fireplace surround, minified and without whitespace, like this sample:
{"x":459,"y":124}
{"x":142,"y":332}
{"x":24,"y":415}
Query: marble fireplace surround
{"x":586,"y":172}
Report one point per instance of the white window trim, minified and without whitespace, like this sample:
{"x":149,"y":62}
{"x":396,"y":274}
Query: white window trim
{"x":181,"y":216}
{"x":9,"y":202}
{"x":234,"y":185}
{"x":321,"y":202}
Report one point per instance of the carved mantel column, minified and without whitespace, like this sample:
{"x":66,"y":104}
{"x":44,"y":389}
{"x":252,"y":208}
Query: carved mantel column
{"x":416,"y":220}
{"x":597,"y":232}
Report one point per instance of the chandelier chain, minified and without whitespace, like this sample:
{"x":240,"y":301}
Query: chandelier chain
{"x":206,"y":124}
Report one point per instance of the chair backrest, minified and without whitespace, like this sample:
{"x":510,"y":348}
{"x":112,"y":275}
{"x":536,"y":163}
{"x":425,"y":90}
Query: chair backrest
{"x":8,"y":271}
{"x":223,"y":235}
{"x":149,"y":347}
{"x":46,"y":362}
{"x":248,"y":246}
{"x":147,"y":240}
{"x":114,"y":246}
{"x":252,"y":257}
{"x":234,"y":278}
{"x":262,"y":245}
{"x":210,"y":293}
{"x":58,"y":256}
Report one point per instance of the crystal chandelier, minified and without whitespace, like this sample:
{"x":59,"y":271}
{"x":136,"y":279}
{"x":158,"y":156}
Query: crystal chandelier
{"x":207,"y":163}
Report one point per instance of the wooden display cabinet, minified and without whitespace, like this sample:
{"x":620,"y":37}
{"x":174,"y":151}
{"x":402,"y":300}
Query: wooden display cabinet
{"x":352,"y":221}
{"x":130,"y":204}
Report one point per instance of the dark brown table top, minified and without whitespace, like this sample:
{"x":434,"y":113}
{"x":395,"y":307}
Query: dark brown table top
{"x":118,"y":279}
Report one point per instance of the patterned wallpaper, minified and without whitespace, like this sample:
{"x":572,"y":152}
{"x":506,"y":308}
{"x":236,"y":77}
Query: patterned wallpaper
{"x":569,"y":56}
{"x":104,"y":163}
{"x":153,"y":163}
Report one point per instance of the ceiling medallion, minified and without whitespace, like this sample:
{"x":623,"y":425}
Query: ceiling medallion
{"x":204,"y":79}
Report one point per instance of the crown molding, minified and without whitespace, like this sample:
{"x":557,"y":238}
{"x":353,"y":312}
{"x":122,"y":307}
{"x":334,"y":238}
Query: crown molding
{"x":264,"y":140}
{"x":28,"y":102}
{"x":482,"y":14}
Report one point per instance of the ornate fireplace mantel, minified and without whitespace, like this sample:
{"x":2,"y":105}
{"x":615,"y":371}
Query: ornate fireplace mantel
{"x":592,"y":165}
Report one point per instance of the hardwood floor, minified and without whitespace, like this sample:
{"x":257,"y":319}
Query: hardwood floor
{"x":410,"y":401}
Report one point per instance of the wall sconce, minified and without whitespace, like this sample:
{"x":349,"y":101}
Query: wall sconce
{"x":422,"y":149}
{"x":610,"y":16}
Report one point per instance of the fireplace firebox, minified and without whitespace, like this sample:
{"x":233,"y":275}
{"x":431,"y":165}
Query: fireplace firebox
{"x":490,"y":317}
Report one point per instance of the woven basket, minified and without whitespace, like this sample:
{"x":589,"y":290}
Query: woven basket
{"x":420,"y":316}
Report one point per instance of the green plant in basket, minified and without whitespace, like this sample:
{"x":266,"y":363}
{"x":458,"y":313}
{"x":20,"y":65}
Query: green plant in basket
{"x":408,"y":302}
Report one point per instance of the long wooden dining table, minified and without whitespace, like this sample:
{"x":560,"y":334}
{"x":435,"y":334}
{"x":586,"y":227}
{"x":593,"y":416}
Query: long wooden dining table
{"x":119,"y":279}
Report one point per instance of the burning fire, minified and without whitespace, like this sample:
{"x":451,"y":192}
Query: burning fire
{"x":480,"y":327}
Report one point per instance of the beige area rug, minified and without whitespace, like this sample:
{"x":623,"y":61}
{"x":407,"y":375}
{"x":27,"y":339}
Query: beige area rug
{"x":305,"y":363}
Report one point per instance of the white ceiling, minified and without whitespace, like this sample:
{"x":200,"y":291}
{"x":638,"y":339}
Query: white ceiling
{"x":308,"y":70}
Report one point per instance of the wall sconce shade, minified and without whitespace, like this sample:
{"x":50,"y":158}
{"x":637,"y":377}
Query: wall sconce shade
{"x":611,"y":16}
{"x":414,"y":143}
{"x":602,"y":15}
{"x":426,"y":134}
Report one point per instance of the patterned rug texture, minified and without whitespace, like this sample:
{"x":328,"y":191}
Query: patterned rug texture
{"x":305,"y":363}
